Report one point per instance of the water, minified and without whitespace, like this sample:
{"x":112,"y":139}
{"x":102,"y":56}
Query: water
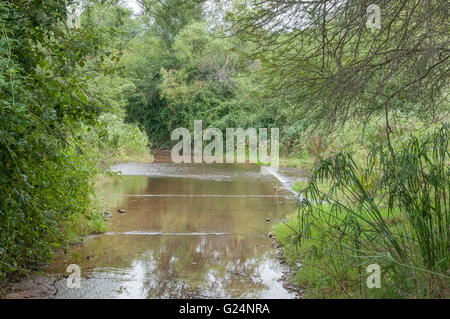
{"x":189,"y":231}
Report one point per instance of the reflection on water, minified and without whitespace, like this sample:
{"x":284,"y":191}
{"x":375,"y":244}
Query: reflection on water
{"x":189,"y":231}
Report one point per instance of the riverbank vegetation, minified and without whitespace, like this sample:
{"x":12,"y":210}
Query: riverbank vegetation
{"x":392,"y":212}
{"x":85,"y":84}
{"x":61,"y":125}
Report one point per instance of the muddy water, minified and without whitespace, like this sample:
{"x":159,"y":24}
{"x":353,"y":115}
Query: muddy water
{"x":189,"y":231}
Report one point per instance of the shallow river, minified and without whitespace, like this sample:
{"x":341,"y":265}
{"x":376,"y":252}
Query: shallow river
{"x":189,"y":231}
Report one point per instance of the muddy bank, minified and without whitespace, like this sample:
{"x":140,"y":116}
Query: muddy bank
{"x":34,"y":287}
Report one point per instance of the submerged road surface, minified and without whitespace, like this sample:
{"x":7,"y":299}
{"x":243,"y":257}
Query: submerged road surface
{"x":189,"y":231}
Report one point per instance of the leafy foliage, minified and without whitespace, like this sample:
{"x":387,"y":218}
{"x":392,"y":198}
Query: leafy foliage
{"x":44,"y":182}
{"x":47,"y":179}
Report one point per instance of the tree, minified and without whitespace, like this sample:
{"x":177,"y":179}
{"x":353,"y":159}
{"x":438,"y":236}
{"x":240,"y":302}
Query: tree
{"x":323,"y":57}
{"x":168,"y":17}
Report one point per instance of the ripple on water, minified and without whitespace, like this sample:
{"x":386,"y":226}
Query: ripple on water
{"x":190,"y":231}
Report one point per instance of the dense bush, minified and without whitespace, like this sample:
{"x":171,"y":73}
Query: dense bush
{"x":45,"y":183}
{"x":197,"y":77}
{"x":47,"y":175}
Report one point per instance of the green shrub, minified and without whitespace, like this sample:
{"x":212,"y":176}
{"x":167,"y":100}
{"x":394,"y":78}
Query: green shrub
{"x":115,"y":141}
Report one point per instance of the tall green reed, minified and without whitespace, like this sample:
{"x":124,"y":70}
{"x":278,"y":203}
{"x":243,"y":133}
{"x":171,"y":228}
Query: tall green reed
{"x":394,"y":211}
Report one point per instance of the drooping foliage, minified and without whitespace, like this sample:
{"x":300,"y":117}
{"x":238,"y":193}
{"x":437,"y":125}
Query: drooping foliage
{"x":324,"y":56}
